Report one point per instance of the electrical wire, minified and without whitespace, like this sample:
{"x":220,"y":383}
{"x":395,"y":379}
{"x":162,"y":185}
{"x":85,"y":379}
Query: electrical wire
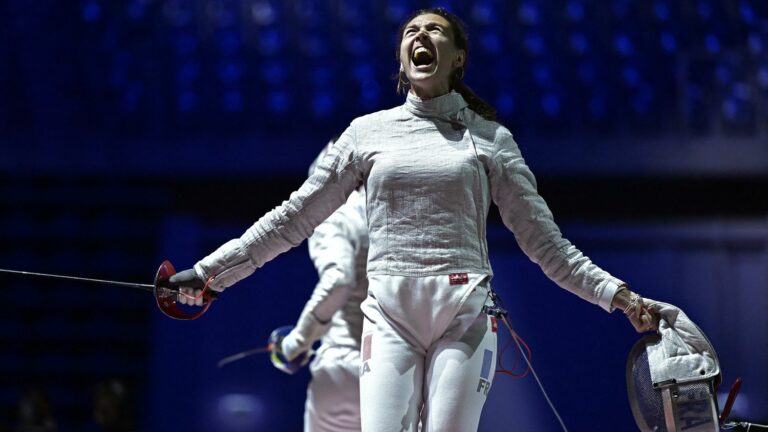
{"x":499,"y":312}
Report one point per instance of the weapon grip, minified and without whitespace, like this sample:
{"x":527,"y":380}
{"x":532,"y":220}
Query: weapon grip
{"x":166,"y":297}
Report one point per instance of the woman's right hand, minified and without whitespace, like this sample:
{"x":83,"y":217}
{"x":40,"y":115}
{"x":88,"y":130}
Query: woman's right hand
{"x":190,"y":287}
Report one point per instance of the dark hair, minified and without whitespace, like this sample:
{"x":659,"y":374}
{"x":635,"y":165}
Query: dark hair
{"x":460,"y":39}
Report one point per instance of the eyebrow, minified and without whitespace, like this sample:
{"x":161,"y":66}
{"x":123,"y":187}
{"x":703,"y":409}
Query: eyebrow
{"x":427,"y":24}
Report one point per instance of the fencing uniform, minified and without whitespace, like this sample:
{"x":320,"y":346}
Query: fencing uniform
{"x":339,"y":250}
{"x":430,"y":169}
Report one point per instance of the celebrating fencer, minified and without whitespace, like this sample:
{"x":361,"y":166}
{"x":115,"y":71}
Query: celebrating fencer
{"x":429,"y":169}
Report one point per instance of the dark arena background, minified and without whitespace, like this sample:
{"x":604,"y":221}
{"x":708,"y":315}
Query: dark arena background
{"x":135,"y":131}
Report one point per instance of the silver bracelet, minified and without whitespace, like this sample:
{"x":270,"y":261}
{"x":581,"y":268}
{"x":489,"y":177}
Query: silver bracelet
{"x":634,"y":299}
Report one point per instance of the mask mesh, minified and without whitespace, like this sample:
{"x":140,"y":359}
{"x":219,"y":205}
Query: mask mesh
{"x":646,"y":401}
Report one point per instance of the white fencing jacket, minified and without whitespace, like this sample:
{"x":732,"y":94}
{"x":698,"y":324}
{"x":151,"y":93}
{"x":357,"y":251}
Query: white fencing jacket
{"x":430,"y":169}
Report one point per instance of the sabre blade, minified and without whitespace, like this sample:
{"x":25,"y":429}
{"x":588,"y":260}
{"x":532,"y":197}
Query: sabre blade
{"x":241,"y":355}
{"x":143,"y":287}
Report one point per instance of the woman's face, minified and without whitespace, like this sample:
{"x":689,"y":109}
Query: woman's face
{"x":428,"y":55}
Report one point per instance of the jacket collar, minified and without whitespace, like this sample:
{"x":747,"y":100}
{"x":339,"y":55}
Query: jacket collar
{"x":445,"y":106}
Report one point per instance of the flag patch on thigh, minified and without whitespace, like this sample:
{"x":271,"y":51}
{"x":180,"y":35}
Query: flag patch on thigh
{"x":366,"y":351}
{"x":367,"y":347}
{"x":485,"y":372}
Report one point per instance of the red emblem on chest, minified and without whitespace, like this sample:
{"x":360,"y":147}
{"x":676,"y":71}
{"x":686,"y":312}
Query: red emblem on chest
{"x":458,"y":278}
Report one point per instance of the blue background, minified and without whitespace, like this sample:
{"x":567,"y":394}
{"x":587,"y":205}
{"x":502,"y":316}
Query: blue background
{"x":134,"y":131}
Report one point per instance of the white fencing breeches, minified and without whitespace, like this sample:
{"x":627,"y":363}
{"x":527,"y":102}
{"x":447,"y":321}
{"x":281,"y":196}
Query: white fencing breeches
{"x":427,"y":363}
{"x":333,"y":395}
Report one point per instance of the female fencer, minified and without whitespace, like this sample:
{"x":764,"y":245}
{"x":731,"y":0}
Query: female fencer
{"x":430,"y":169}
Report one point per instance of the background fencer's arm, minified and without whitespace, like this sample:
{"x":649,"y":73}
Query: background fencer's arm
{"x":333,"y":249}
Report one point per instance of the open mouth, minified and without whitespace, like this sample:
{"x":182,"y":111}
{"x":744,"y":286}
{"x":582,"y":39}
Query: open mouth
{"x":422,"y":57}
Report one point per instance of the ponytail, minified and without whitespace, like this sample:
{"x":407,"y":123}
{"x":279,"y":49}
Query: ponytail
{"x":475,"y":102}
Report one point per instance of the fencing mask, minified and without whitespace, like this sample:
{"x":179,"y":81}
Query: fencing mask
{"x":672,"y":376}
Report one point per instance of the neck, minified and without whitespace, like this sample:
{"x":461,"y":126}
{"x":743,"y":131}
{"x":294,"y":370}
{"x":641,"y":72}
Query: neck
{"x":425,"y":93}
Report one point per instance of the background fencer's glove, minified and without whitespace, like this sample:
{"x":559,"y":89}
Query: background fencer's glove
{"x":278,"y":356}
{"x":190,"y":287}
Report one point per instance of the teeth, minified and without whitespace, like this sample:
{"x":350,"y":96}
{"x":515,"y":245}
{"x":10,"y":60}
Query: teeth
{"x":422,"y":51}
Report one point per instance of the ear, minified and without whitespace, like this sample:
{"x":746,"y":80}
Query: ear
{"x":461,"y":55}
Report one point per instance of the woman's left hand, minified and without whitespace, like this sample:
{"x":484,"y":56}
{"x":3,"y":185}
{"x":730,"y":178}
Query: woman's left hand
{"x":643,"y":318}
{"x":638,"y":310}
